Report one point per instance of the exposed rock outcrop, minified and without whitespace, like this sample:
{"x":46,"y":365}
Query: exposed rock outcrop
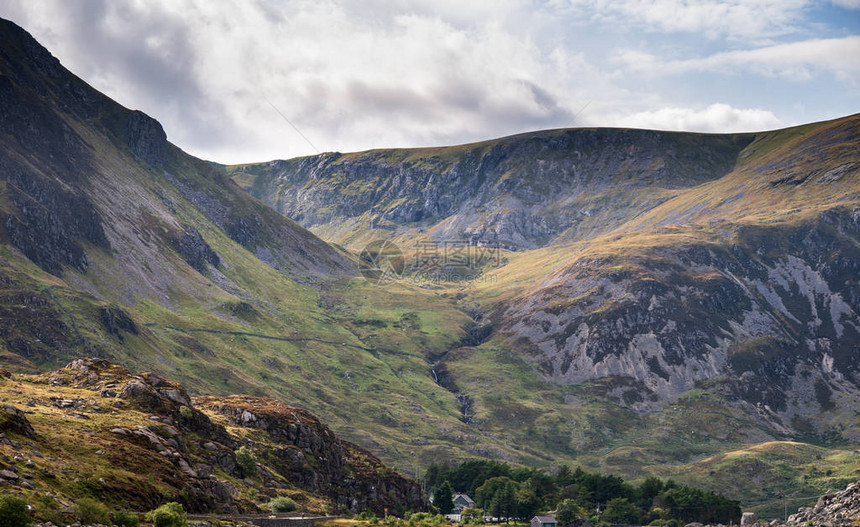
{"x":521,"y":192}
{"x":353,"y":477}
{"x":15,"y":421}
{"x":116,"y":320}
{"x":775,"y":314}
{"x":146,"y":138}
{"x":834,"y":509}
{"x":187,"y":441}
{"x":194,"y":250}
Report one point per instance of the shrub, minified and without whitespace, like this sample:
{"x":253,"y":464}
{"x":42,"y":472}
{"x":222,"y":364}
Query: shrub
{"x":282,"y":504}
{"x":247,"y":461}
{"x":13,"y":512}
{"x":91,"y":511}
{"x":186,"y":413}
{"x":168,"y":515}
{"x":125,"y":519}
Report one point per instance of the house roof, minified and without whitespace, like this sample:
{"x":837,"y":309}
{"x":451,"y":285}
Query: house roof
{"x":465,"y":498}
{"x":546,"y":519}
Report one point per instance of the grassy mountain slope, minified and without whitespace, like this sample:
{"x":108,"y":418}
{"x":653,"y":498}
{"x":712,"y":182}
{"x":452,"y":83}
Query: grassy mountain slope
{"x":687,"y":311}
{"x":117,"y":244}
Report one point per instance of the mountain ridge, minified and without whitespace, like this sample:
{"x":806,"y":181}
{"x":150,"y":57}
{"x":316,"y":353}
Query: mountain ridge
{"x":487,"y":192}
{"x":161,"y":263}
{"x":738,"y":287}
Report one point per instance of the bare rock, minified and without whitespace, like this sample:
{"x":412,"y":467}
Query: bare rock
{"x":15,"y":421}
{"x":748,"y":518}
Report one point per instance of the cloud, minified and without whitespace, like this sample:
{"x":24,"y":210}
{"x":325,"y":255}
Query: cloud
{"x":714,"y":118}
{"x":847,"y":4}
{"x":388,"y":73}
{"x":346,"y":81}
{"x":733,"y":19}
{"x":795,"y":60}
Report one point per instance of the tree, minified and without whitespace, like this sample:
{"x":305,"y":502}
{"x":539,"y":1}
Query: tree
{"x":435,"y":475}
{"x":443,"y":498}
{"x":648,"y":490}
{"x":125,"y":519}
{"x":567,"y":512}
{"x":282,"y":504}
{"x":575,"y":492}
{"x":485,"y":493}
{"x":528,"y":503}
{"x":543,"y":486}
{"x":13,"y":512}
{"x":168,"y":515}
{"x":507,"y":497}
{"x":620,"y":510}
{"x":246,"y":461}
{"x":472,"y":515}
{"x":91,"y":511}
{"x":503,"y":504}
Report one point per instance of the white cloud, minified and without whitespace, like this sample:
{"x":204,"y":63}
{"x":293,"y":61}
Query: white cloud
{"x":795,"y":60}
{"x":714,"y":118}
{"x":384,"y":73}
{"x":733,"y":19}
{"x":847,"y":4}
{"x":347,"y":82}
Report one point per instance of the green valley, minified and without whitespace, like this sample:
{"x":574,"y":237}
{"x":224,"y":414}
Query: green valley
{"x":647,"y":303}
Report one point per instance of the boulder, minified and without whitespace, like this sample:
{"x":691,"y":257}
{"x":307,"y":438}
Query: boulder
{"x":748,"y":519}
{"x":15,"y":421}
{"x":8,"y":474}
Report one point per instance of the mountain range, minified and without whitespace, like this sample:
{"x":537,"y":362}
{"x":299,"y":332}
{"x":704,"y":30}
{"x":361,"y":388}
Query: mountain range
{"x":640,"y":302}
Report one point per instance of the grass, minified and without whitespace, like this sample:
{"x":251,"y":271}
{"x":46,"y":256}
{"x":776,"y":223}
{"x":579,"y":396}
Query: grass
{"x":361,"y":355}
{"x":516,"y":415}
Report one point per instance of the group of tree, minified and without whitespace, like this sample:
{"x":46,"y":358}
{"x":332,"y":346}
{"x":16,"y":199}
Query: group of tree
{"x":502,"y":491}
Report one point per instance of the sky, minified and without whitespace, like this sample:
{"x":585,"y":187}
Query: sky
{"x":239,"y":81}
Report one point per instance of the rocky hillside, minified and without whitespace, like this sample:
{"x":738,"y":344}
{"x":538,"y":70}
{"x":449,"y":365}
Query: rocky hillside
{"x":663,"y":260}
{"x":134,"y":441}
{"x":114,"y":243}
{"x":101,"y":203}
{"x":521,"y":192}
{"x":834,"y":509}
{"x":673,"y":300}
{"x":706,"y":284}
{"x":760,"y":292}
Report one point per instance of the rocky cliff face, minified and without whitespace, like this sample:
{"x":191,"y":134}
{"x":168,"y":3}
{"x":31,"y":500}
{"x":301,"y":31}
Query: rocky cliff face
{"x":186,"y":449}
{"x":782,"y":331}
{"x":93,"y":194}
{"x":309,"y":454}
{"x":768,"y":308}
{"x":664,"y":262}
{"x":520,"y":192}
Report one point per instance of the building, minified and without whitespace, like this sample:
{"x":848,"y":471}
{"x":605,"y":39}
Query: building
{"x":462,"y":501}
{"x":544,"y":521}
